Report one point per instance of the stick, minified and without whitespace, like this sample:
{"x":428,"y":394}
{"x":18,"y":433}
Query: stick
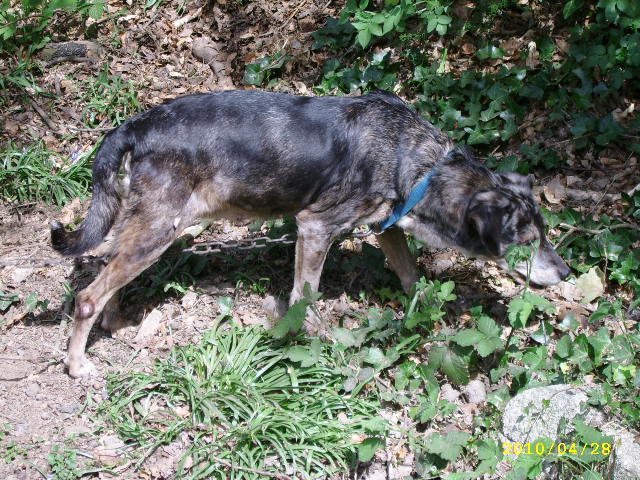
{"x":44,"y":116}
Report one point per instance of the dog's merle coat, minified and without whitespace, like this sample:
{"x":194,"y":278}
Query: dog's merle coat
{"x":333,"y":162}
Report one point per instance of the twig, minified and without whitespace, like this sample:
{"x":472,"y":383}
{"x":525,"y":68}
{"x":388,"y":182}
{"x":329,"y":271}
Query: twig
{"x":279,"y":476}
{"x":23,"y":205}
{"x":24,"y":359}
{"x":186,"y":19}
{"x":575,"y":228}
{"x":87,"y":129}
{"x":44,"y":116}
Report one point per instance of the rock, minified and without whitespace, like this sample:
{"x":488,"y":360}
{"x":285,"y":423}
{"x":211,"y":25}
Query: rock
{"x":627,"y":453}
{"x":69,"y":408}
{"x":527,"y":416}
{"x":475,"y":391}
{"x":540,"y":411}
{"x":189,"y":300}
{"x":149,"y":326}
{"x":32,"y":389}
{"x":449,"y":393}
{"x":109,"y":450}
{"x":20,"y":274}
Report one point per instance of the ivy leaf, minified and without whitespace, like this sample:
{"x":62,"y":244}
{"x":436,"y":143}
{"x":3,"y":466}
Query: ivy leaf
{"x":564,"y":347}
{"x":253,"y":74}
{"x":447,"y":446}
{"x":364,"y":38}
{"x":292,"y":321}
{"x":450,"y":363}
{"x":368,"y":448}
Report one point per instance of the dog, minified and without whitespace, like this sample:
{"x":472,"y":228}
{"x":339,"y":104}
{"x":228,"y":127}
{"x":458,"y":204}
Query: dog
{"x":332,"y":162}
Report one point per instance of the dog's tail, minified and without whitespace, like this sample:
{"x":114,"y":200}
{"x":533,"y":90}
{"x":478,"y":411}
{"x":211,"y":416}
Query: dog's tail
{"x":105,"y":201}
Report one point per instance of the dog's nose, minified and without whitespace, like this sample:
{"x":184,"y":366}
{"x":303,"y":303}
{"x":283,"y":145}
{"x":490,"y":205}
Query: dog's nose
{"x":565,"y":271}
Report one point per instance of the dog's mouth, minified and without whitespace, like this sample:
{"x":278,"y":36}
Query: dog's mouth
{"x":537,"y":278}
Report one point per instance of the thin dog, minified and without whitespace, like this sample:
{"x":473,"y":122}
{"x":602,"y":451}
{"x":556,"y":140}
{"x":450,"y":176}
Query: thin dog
{"x":332,"y":162}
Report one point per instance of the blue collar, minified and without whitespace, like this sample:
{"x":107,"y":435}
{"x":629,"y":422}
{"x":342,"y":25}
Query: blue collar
{"x":400,"y":210}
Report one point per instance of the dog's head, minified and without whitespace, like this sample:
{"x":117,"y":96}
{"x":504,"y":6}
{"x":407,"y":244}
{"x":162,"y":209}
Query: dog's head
{"x":506,"y":215}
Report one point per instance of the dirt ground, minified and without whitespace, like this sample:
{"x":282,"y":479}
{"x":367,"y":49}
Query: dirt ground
{"x":43,"y":405}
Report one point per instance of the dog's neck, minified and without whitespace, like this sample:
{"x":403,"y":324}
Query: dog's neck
{"x":437,"y":219}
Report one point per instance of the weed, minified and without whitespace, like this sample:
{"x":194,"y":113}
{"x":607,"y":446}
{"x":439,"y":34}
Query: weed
{"x":245,"y":400}
{"x":35,"y":173}
{"x":9,"y":451}
{"x":25,"y":28}
{"x":7,"y":299}
{"x":63,"y":463}
{"x":109,"y":99}
{"x":265,"y":70}
{"x":174,"y":272}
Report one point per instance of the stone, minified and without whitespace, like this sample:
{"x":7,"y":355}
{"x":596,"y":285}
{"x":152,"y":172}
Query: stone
{"x":539,"y":412}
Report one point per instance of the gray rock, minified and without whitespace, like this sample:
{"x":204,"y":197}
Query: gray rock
{"x":32,"y":389}
{"x":189,"y":300}
{"x":149,"y":326}
{"x":69,"y":408}
{"x":475,"y":391}
{"x":449,"y":393}
{"x":538,"y":412}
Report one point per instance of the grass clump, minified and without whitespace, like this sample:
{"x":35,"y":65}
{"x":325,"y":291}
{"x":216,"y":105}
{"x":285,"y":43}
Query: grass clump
{"x":246,"y":406}
{"x":34,"y":173}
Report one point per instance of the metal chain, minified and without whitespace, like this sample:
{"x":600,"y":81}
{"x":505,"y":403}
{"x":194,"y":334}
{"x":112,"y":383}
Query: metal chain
{"x":201,"y":248}
{"x":205,"y":248}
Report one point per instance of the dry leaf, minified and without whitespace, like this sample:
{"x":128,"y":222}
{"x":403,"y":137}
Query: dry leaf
{"x":555,"y":191}
{"x":591,"y":284}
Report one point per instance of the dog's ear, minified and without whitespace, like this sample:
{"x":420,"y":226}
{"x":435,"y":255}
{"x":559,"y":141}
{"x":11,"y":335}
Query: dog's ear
{"x":517,"y":179}
{"x":482,"y":224}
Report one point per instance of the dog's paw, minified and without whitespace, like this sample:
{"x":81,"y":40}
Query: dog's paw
{"x":84,"y":368}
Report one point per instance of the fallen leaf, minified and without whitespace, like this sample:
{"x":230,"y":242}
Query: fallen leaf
{"x":591,"y":284}
{"x":555,"y":191}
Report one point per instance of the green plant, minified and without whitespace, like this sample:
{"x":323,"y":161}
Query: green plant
{"x":63,"y":463}
{"x":247,"y":402}
{"x":9,"y":451}
{"x":32,"y":303}
{"x":26,"y":27}
{"x":426,"y":305}
{"x":606,"y":242}
{"x":35,"y":173}
{"x":109,"y":99}
{"x":24,"y":22}
{"x":7,"y":299}
{"x":265,"y":70}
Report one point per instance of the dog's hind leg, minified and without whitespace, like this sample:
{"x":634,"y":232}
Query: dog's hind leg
{"x":111,"y":318}
{"x":147,"y":230}
{"x":394,"y":245}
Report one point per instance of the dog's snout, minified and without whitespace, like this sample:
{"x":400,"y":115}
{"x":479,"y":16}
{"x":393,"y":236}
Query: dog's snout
{"x":564,"y":271}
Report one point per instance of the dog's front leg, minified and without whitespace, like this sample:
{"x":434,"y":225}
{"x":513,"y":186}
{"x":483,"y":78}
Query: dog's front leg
{"x":394,"y":245}
{"x":314,"y":241}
